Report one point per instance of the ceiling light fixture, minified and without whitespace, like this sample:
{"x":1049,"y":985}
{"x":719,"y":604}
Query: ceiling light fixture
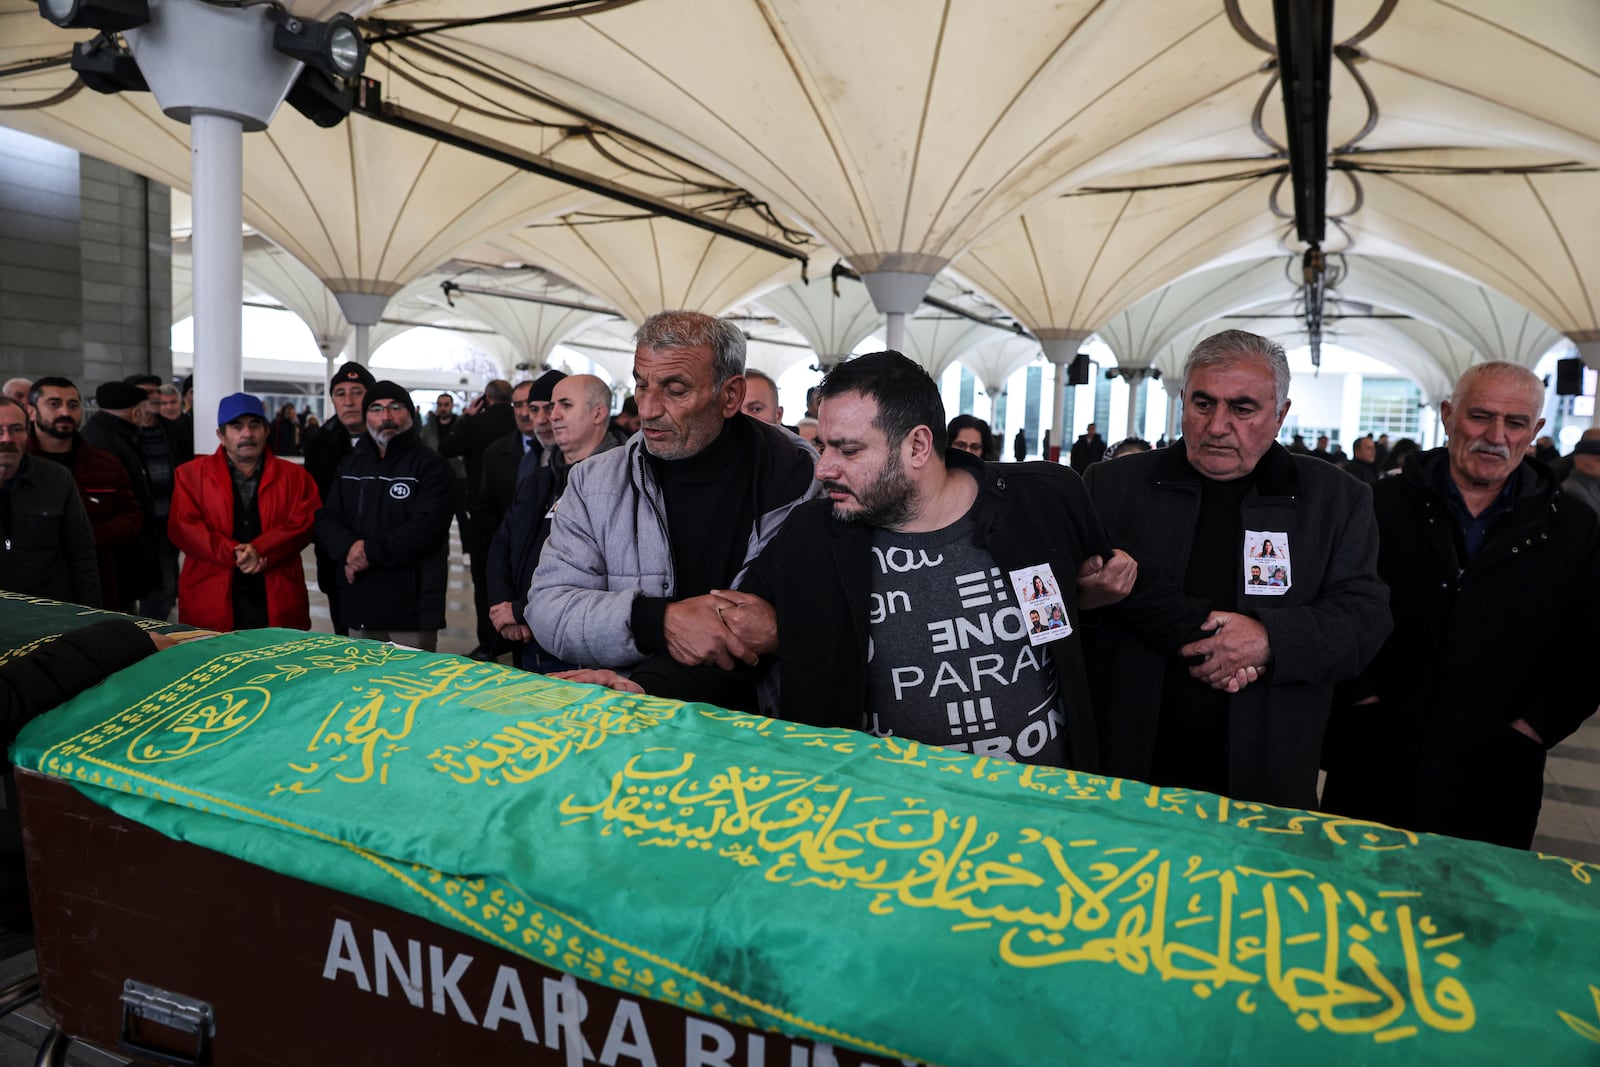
{"x":334,"y":55}
{"x":113,"y":15}
{"x":107,"y":67}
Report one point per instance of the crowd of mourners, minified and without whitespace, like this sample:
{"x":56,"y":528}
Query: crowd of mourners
{"x":1221,"y":613}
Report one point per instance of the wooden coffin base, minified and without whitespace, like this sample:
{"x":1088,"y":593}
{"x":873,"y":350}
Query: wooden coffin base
{"x":239,"y":965}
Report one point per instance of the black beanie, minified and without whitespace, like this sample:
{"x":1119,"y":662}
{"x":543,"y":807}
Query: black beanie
{"x":351,"y":372}
{"x":115,"y":396}
{"x":544,"y":386}
{"x":387,"y":390}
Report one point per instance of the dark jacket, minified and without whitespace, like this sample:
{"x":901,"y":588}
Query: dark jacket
{"x":108,"y":499}
{"x":1326,"y":628}
{"x":30,"y":685}
{"x":472,"y":436}
{"x":1087,"y":450}
{"x":501,"y":462}
{"x":514,"y":553}
{"x":1509,"y":634}
{"x":1362,"y":471}
{"x":46,"y":544}
{"x":322,"y":459}
{"x":137,"y":569}
{"x":400,"y":505}
{"x":817,"y":574}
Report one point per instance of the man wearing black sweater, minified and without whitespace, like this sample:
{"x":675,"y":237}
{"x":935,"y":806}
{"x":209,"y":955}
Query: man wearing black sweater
{"x":645,"y":530}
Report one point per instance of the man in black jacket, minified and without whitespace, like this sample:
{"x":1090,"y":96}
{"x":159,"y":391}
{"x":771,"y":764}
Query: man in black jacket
{"x":114,"y":428}
{"x":46,"y":542}
{"x":387,"y":520}
{"x":507,"y":464}
{"x":1088,"y":449}
{"x":164,"y":451}
{"x":1221,"y":499}
{"x":348,"y":390}
{"x":580,"y":428}
{"x":489,"y":419}
{"x":1448,"y":729}
{"x":900,"y":603}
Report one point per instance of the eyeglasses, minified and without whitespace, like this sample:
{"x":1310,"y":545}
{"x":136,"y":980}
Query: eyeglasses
{"x":386,"y":409}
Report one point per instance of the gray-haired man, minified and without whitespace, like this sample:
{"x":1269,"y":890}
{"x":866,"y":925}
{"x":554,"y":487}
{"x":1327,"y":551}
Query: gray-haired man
{"x":1224,"y":499}
{"x":680,"y":510}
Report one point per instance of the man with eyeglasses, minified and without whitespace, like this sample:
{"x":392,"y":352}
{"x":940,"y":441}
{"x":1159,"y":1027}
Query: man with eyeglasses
{"x":387,"y":518}
{"x":971,"y":435}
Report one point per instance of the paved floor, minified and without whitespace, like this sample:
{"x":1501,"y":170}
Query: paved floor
{"x":1569,"y":824}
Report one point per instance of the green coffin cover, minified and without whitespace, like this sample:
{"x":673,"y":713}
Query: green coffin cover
{"x":907,"y":901}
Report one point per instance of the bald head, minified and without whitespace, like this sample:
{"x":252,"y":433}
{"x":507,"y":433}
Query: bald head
{"x":17,"y":389}
{"x":580,"y":414}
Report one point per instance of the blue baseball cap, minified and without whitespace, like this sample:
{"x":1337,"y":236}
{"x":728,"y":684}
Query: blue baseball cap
{"x":237,"y":405}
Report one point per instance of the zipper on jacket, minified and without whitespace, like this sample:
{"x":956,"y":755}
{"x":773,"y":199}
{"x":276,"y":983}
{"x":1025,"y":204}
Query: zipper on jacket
{"x":661,"y":520}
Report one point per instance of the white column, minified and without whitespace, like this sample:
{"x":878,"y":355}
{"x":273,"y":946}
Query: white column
{"x":217,"y":159}
{"x":363,"y":310}
{"x":1060,"y":348}
{"x":894,"y":331}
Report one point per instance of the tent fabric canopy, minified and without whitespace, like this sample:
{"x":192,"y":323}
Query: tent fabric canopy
{"x":1066,"y":160}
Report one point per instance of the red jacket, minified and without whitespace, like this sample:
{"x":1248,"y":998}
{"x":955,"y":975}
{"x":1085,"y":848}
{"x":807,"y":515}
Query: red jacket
{"x":201,"y":526}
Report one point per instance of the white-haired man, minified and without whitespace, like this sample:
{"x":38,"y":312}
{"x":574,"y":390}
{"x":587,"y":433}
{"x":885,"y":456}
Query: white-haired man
{"x":1447,"y":731}
{"x":1221,"y":500}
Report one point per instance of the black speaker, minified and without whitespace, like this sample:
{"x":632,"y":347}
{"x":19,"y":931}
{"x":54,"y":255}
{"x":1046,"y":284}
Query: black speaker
{"x":1569,"y":377}
{"x":1078,"y":370}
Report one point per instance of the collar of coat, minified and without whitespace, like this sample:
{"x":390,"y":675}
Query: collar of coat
{"x":1275,"y":471}
{"x":785,"y":463}
{"x":402,"y":442}
{"x":1536,"y":482}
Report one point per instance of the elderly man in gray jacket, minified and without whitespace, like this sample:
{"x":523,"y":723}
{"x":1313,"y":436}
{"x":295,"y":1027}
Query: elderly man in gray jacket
{"x":645,"y":530}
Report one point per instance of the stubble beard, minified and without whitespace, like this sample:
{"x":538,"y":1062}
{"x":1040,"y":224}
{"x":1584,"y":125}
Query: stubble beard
{"x":886,"y":503}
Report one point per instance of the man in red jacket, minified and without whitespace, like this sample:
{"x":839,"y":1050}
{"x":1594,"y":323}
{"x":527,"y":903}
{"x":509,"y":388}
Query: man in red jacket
{"x":241,"y":516}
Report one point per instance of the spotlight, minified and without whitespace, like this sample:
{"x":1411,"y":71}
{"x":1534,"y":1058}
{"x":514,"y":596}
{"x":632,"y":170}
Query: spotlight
{"x":321,"y":99}
{"x":107,"y":67}
{"x":333,"y":53}
{"x":113,"y":15}
{"x":334,"y":47}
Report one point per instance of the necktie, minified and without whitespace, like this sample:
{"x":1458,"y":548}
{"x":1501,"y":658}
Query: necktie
{"x":529,"y":463}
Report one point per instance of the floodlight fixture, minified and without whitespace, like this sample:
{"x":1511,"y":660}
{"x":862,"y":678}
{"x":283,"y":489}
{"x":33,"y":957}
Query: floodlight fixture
{"x":334,"y":47}
{"x":107,"y":67}
{"x":324,"y":100}
{"x":334,"y":55}
{"x":113,"y":15}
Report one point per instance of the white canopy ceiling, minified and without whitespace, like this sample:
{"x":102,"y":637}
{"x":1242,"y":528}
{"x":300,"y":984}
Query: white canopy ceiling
{"x":1068,"y":157}
{"x":1486,"y":324}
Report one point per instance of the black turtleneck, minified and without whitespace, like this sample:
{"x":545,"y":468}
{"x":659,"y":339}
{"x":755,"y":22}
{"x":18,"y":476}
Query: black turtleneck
{"x":710,"y":507}
{"x":1192,"y":741}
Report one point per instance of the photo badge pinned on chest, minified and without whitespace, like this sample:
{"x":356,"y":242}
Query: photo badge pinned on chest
{"x":1044,"y":610}
{"x":1267,"y":569}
